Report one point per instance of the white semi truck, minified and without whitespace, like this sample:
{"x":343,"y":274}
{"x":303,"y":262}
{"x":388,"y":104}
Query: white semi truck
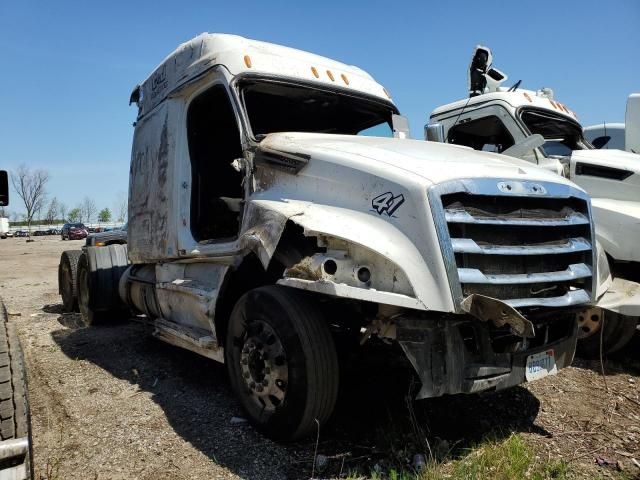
{"x":264,"y":224}
{"x":533,"y":126}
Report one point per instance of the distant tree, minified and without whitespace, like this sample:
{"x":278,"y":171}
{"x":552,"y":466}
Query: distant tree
{"x":88,"y":208}
{"x":30,"y":185}
{"x":63,"y":211}
{"x":15,"y":216}
{"x":121,"y":207}
{"x":52,"y":211}
{"x":104,"y":215}
{"x":75,"y":215}
{"x":3,"y":212}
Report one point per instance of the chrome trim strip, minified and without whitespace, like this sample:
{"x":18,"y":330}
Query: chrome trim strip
{"x":462,"y":216}
{"x":573,"y":272}
{"x":468,"y":245}
{"x":573,"y":297}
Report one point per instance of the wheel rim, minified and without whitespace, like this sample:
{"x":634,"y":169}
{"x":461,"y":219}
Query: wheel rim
{"x":264,"y":366}
{"x":589,"y":322}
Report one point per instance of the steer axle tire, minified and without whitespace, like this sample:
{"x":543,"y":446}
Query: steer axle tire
{"x":99,"y":273}
{"x":15,"y":418}
{"x":282,"y":362}
{"x":68,"y":279}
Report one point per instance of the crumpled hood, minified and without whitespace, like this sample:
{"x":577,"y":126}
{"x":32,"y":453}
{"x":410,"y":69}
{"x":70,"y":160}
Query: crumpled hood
{"x":434,"y":162}
{"x":609,"y":158}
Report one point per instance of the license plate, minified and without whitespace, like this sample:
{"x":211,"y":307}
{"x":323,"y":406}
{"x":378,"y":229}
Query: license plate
{"x":539,"y":365}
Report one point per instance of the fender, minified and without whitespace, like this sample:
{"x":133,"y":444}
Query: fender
{"x":429,"y":282}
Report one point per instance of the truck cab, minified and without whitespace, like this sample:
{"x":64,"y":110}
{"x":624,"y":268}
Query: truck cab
{"x":534,"y":127}
{"x":279,"y":219}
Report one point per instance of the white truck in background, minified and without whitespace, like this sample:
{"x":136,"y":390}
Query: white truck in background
{"x":537,"y":129}
{"x":4,"y":227}
{"x":618,"y":136}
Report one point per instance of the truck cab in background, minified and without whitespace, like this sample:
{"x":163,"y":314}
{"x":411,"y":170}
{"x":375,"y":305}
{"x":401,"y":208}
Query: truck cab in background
{"x":618,"y":136}
{"x":535,"y":128}
{"x":4,"y":201}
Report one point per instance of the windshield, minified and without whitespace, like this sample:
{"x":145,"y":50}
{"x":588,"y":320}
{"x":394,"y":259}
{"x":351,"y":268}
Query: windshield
{"x":562,"y":135}
{"x":275,"y":106}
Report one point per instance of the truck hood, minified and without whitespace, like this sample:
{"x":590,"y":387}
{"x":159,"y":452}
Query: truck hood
{"x":434,"y":162}
{"x":609,"y":158}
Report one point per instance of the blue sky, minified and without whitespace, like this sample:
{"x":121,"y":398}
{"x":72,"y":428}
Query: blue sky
{"x":68,"y":66}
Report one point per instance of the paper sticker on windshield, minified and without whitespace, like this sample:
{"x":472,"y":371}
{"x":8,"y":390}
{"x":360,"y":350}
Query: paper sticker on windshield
{"x":387,"y":203}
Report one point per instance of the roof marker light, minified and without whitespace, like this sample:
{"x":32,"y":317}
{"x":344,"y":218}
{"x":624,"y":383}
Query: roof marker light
{"x":315,"y":72}
{"x":330,"y":75}
{"x":247,"y":61}
{"x":526,"y":95}
{"x":345,"y":79}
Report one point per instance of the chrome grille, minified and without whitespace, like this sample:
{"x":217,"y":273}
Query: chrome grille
{"x":526,"y":250}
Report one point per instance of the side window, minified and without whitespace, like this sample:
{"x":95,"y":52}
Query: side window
{"x":216,"y":187}
{"x":488,"y":134}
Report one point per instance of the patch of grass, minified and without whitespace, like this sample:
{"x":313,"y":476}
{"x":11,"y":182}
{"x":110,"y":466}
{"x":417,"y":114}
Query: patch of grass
{"x":500,"y":460}
{"x":505,"y":459}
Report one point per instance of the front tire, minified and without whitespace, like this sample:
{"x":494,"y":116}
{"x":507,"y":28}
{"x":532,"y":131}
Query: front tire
{"x":282,"y":362}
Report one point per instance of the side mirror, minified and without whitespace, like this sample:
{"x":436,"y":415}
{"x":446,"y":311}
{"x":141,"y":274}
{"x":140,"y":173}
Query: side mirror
{"x":527,"y":145}
{"x":601,"y":141}
{"x":434,"y":132}
{"x":4,"y":188}
{"x":400,"y":126}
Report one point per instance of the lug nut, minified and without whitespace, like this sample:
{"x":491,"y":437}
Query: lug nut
{"x":265,"y":382}
{"x":259,"y":388}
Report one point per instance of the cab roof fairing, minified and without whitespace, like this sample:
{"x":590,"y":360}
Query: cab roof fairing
{"x":517,"y":99}
{"x":241,"y":55}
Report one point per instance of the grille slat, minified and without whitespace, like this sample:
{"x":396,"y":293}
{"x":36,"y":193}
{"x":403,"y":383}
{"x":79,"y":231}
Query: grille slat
{"x":573,"y":272}
{"x":524,"y":250}
{"x":462,"y":216}
{"x":468,"y":245}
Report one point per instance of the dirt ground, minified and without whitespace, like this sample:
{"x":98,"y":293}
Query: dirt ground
{"x":114,"y":403}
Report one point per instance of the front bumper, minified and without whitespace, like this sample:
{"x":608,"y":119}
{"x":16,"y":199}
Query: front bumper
{"x":460,"y":354}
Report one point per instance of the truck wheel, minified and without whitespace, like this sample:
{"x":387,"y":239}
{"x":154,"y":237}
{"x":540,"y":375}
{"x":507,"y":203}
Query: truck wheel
{"x":282,"y":362}
{"x":15,"y":419}
{"x":618,"y":331}
{"x":99,"y":272}
{"x":68,"y":279}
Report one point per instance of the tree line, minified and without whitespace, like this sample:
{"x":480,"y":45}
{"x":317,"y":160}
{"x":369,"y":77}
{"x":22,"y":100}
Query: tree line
{"x":31,"y":187}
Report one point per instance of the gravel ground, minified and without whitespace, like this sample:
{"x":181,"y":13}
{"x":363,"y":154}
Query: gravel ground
{"x":114,"y":403}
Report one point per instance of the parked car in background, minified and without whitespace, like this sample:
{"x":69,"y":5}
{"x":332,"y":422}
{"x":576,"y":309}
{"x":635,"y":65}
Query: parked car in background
{"x":74,"y":231}
{"x":108,"y":237}
{"x":21,"y":233}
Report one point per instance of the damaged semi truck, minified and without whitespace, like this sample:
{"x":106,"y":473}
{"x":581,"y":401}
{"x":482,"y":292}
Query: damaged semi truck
{"x":265,"y":222}
{"x":535,"y":127}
